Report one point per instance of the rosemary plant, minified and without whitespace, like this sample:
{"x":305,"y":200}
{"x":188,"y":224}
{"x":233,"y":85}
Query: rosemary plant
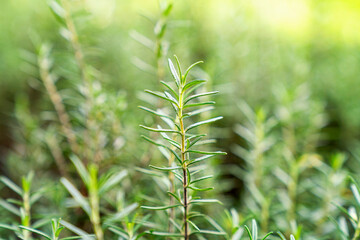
{"x":56,"y":229}
{"x":96,"y":186}
{"x":159,"y":48}
{"x":256,"y":131}
{"x":181,"y":142}
{"x":299,"y":118}
{"x":253,"y":233}
{"x":21,"y":209}
{"x":349,"y":226}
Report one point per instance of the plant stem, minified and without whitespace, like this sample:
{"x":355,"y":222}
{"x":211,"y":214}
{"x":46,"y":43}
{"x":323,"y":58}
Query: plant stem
{"x":292,"y":191}
{"x":95,"y":217}
{"x":79,"y":57}
{"x":172,"y":190}
{"x":357,"y":231}
{"x":56,"y":152}
{"x":184,"y":165}
{"x":265,"y":205}
{"x":94,"y":203}
{"x":27,"y":218}
{"x":186,"y":224}
{"x":58,"y":104}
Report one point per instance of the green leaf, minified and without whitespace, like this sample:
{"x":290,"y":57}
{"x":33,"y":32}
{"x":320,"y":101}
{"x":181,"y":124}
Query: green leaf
{"x":172,"y":142}
{"x":199,"y":104}
{"x":77,"y":230}
{"x":355,"y":190}
{"x":167,"y":10}
{"x":170,"y":88}
{"x":191,"y":66}
{"x":123,"y":213}
{"x":190,"y":144}
{"x":199,"y":95}
{"x":194,"y":225}
{"x":11,"y":185}
{"x":56,"y":228}
{"x":201,"y":179}
{"x":214,"y":223}
{"x":270,"y":233}
{"x":78,"y":197}
{"x":164,"y":146}
{"x":36,"y":231}
{"x":84,"y":174}
{"x":344,"y":210}
{"x":238,"y":234}
{"x":179,"y":68}
{"x":193,"y":89}
{"x":9,"y":227}
{"x":26,"y":182}
{"x":173,"y":72}
{"x":205,"y":201}
{"x":199,"y":159}
{"x":202,"y":123}
{"x":172,"y":221}
{"x":165,"y":168}
{"x":149,"y":172}
{"x":175,"y":196}
{"x":54,"y":225}
{"x":203,"y":142}
{"x":200,"y":189}
{"x":36,"y":196}
{"x":142,"y":65}
{"x":211,"y":232}
{"x":113,"y":180}
{"x":198,"y":111}
{"x":160,"y":130}
{"x":159,"y":95}
{"x":58,"y":11}
{"x":193,"y":83}
{"x":119,"y":231}
{"x":167,"y":94}
{"x":207,"y":153}
{"x":165,"y":234}
{"x":140,"y":38}
{"x":14,"y":201}
{"x":69,"y":238}
{"x":194,"y":136}
{"x":281,"y":235}
{"x":249,"y":233}
{"x":9,"y":207}
{"x":155,"y":112}
{"x":162,"y":207}
{"x":254,"y":229}
{"x":159,"y":30}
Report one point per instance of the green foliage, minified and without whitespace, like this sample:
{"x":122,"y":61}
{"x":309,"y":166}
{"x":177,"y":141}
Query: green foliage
{"x":69,"y":142}
{"x":21,"y":209}
{"x":56,"y":229}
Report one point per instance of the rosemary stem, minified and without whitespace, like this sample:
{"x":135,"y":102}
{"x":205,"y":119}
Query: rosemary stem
{"x":184,"y":166}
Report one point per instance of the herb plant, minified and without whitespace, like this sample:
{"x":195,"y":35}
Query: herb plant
{"x":180,"y":141}
{"x":21,"y":209}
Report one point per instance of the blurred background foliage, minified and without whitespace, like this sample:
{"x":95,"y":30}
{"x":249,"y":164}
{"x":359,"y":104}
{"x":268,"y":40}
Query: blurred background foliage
{"x":253,"y":45}
{"x":287,"y":71}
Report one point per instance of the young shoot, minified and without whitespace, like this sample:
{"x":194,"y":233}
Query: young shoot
{"x":181,"y":140}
